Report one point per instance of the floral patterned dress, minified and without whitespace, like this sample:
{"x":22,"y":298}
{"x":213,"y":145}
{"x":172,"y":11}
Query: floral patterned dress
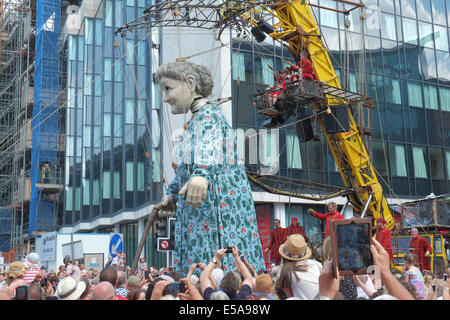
{"x":227,"y":217}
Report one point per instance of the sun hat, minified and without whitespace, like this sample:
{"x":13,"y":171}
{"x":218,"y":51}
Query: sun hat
{"x":134,"y":281}
{"x":167,"y":278}
{"x":264,"y":283}
{"x":218,"y":275}
{"x":70,"y":289}
{"x":17,"y":269}
{"x":295,"y":248}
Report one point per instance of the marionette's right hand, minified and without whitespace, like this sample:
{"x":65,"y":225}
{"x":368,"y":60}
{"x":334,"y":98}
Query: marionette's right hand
{"x":311,"y":211}
{"x":196,"y":189}
{"x":167,"y":203}
{"x":266,"y":250}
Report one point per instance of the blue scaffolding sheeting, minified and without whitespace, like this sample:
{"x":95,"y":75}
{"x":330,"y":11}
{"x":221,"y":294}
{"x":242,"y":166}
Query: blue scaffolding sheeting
{"x":5,"y":229}
{"x":45,"y":111}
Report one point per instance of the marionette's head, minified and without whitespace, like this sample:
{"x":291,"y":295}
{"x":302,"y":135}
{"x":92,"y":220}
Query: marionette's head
{"x":183,"y":82}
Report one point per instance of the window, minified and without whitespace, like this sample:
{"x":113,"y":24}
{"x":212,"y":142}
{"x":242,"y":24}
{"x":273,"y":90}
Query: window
{"x":87,"y":84}
{"x":130,"y":175}
{"x":96,"y":193}
{"x":388,"y":30}
{"x":414,"y":94}
{"x":130,"y":52}
{"x":409,"y":8}
{"x":89,"y":30}
{"x":447,"y":155}
{"x":118,"y":70}
{"x":268,"y":147}
{"x":140,"y":176}
{"x":86,"y":192}
{"x":267,"y":74}
{"x":437,"y":164}
{"x":108,"y":67}
{"x":441,"y":38}
{"x":327,"y":17}
{"x":129,"y":111}
{"x":420,"y":169}
{"x":106,"y":184}
{"x":156,"y":165}
{"x":438,"y":9}
{"x":431,"y":99}
{"x":424,"y":9}
{"x":238,"y":66}
{"x":426,"y":35}
{"x":445,"y":98}
{"x":294,"y":159}
{"x":398,"y":160}
{"x":118,"y":10}
{"x":72,"y":47}
{"x":393,"y":93}
{"x":116,"y":185}
{"x":410,"y":31}
{"x":108,"y":13}
{"x":142,"y":50}
{"x":68,"y":198}
{"x":98,"y":32}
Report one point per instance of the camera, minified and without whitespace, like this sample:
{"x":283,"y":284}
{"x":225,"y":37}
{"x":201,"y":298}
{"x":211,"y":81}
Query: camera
{"x":445,"y":277}
{"x":44,"y":282}
{"x":175,"y":287}
{"x":229,"y":249}
{"x":21,"y":293}
{"x":146,"y":273}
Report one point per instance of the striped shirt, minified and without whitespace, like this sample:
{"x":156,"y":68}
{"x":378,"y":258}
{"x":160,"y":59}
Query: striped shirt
{"x":31,"y":274}
{"x":122,"y":292}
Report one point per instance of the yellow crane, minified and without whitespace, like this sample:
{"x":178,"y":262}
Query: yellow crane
{"x":295,"y":24}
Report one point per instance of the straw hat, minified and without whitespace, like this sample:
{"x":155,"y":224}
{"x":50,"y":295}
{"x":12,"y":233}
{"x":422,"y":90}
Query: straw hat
{"x":70,"y":289}
{"x":295,"y":248}
{"x":17,"y":269}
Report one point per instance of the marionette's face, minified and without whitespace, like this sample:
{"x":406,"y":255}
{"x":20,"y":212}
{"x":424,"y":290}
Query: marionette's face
{"x":331,"y":208}
{"x":414,"y":232}
{"x":179,"y":94}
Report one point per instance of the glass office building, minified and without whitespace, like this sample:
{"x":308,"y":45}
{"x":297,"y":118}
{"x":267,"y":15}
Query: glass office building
{"x":111,"y":120}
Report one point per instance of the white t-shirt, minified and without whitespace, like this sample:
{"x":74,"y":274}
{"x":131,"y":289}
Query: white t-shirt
{"x":307,"y":288}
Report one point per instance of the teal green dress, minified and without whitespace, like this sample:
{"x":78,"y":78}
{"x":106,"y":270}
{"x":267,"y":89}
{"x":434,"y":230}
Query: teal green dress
{"x":227,"y":217}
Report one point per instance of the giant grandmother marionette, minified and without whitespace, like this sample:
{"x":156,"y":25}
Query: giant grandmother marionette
{"x":214,"y":201}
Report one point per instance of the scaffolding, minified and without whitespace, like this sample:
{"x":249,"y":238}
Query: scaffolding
{"x":17,"y":42}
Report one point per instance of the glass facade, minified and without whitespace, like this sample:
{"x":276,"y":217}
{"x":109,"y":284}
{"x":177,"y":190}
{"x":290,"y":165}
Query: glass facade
{"x":112,"y":118}
{"x":407,"y":73}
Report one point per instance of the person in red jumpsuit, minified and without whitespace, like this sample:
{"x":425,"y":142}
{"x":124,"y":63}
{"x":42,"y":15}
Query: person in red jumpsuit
{"x":332,"y":214}
{"x":421,"y":248}
{"x":277,"y":237}
{"x":305,"y":65}
{"x":295,"y":228}
{"x":383,"y":236}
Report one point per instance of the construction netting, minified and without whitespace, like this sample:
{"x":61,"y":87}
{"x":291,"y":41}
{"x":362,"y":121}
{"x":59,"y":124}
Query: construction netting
{"x":46,"y":106}
{"x":6,"y":217}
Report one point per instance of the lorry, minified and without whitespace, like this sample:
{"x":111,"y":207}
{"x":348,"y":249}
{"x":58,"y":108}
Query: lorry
{"x":91,"y":249}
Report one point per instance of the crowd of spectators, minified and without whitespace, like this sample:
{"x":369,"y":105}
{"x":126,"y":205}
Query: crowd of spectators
{"x":299,"y":277}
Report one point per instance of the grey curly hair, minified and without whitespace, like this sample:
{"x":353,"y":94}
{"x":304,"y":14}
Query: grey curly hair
{"x":180,"y":70}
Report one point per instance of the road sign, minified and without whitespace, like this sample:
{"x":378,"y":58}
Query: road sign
{"x":115,"y":244}
{"x":164,"y":244}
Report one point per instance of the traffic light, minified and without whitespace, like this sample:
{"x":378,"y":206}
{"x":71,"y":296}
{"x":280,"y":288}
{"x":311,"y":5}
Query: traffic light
{"x":161,"y":228}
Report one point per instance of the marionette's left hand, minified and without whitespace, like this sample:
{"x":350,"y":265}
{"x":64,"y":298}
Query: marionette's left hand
{"x":196,"y":189}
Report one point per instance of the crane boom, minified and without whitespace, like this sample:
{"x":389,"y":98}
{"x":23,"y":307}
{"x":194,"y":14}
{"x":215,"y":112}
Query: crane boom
{"x":297,"y":26}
